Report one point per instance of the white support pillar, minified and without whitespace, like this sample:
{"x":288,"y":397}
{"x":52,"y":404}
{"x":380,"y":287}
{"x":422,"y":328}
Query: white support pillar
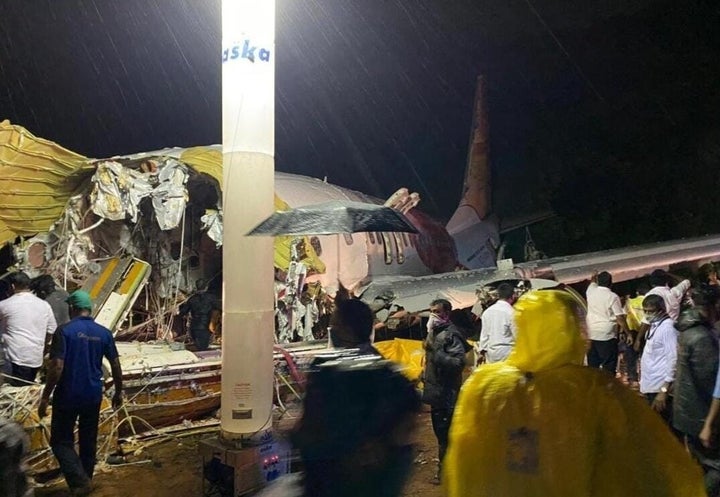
{"x":248,"y":118}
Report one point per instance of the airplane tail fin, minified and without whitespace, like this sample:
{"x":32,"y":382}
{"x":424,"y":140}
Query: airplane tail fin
{"x":472,"y":226}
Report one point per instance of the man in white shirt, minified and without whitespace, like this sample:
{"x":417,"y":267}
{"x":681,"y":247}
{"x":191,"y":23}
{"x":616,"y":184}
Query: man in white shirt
{"x":605,"y":318}
{"x":497,"y":337}
{"x":26,"y":324}
{"x":657,"y":365}
{"x":659,"y":281}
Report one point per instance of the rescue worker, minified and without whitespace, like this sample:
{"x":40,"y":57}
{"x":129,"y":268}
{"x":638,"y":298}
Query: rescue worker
{"x":44,"y":287}
{"x":27,"y":323}
{"x":542,"y":424}
{"x":697,"y":369}
{"x":635,"y":322}
{"x":497,"y":335}
{"x":200,"y":307}
{"x":445,"y":349}
{"x":659,"y":359}
{"x":605,"y":323}
{"x":707,"y":273}
{"x":76,"y":355}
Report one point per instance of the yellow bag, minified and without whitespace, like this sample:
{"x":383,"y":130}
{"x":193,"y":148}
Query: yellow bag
{"x":408,"y":353}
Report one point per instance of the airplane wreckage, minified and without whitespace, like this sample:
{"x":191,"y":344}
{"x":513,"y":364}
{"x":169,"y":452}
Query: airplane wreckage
{"x":139,"y":231}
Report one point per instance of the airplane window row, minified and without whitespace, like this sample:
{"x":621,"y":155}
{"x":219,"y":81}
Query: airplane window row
{"x":394,"y":244}
{"x":397,"y":241}
{"x":407,"y":240}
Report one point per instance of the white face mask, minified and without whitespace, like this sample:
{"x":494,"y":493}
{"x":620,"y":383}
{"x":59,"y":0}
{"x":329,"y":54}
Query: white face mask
{"x":654,"y":317}
{"x":435,"y":320}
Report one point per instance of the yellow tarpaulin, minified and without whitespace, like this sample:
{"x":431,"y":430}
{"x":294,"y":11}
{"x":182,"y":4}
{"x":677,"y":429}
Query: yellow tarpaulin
{"x":408,"y":353}
{"x":37,"y":177}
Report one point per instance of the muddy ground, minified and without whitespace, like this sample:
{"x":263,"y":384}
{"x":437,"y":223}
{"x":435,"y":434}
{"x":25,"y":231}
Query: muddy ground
{"x":173,"y":469}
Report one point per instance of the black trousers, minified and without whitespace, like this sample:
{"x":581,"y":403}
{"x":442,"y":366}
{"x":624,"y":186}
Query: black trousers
{"x":77,"y":468}
{"x":709,"y":459}
{"x":201,"y":337}
{"x":25,"y":375}
{"x":441,"y":418}
{"x":603,"y":354}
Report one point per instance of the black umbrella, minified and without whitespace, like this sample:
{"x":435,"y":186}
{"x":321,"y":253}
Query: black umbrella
{"x":331,"y":218}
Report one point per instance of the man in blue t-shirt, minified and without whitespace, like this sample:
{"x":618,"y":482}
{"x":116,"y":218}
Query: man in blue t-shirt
{"x":76,"y":355}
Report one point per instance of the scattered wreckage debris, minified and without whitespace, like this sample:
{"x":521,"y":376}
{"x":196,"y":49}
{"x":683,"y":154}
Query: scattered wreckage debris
{"x":161,"y":209}
{"x":169,"y":391}
{"x":137,"y":233}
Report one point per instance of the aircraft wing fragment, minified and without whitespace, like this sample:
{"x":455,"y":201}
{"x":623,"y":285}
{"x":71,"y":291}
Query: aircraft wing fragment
{"x":414,"y":294}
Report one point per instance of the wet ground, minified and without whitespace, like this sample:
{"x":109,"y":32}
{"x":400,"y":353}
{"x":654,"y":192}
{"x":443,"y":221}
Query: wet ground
{"x":173,"y":469}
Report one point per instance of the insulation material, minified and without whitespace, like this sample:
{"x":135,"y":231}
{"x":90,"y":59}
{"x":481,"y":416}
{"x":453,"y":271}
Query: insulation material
{"x":212,"y":225}
{"x":170,"y":196}
{"x":118,"y":191}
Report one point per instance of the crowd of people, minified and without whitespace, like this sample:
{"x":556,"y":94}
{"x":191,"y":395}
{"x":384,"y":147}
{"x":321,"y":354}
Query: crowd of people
{"x":42,"y":323}
{"x":666,"y":337}
{"x":554,"y":418}
{"x":544,"y":412}
{"x":548,"y":397}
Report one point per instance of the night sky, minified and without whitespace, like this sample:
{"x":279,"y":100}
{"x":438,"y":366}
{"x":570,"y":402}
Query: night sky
{"x":605,"y":111}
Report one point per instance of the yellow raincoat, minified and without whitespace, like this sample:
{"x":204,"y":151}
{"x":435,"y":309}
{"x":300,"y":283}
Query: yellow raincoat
{"x":541,"y":424}
{"x":635,"y":314}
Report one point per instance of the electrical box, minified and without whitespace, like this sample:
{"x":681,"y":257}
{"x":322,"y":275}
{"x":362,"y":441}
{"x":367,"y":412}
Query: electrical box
{"x":245,"y":469}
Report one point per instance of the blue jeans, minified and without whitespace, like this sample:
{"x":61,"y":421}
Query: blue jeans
{"x":77,"y":468}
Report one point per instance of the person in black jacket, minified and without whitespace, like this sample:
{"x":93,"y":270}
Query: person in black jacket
{"x":351,"y":326}
{"x":200,"y":307}
{"x":355,"y":434}
{"x":697,"y":367}
{"x":445,"y":349}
